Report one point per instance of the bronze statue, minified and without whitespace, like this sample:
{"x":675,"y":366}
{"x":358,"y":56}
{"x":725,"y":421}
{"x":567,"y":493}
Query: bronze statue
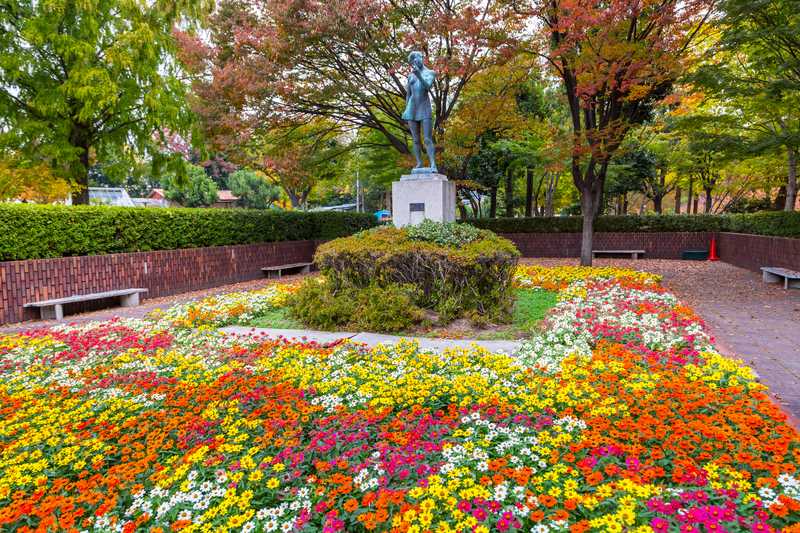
{"x":418,"y":111}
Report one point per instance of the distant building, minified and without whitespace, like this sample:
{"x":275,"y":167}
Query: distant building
{"x":342,"y":207}
{"x":157,"y":194}
{"x":116,"y":196}
{"x":150,"y":202}
{"x":225,"y":198}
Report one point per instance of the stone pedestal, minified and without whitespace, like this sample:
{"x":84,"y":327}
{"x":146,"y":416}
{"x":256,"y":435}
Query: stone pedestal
{"x":419,"y":196}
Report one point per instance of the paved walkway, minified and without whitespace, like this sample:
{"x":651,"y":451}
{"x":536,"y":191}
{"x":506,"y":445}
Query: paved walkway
{"x":750,"y":320}
{"x":373,"y":339}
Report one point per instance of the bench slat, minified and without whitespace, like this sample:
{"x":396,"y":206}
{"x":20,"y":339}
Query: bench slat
{"x":618,"y":251}
{"x":85,"y":297}
{"x":284,"y":267}
{"x":784,"y":272}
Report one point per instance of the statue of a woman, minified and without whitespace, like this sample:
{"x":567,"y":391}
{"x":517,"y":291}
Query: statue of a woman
{"x":418,"y":110}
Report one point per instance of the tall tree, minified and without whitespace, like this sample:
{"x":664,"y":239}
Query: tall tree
{"x":344,"y":60}
{"x":89,"y":79}
{"x":254,"y":190}
{"x":764,"y":37}
{"x":616,"y":59}
{"x":297,"y":157}
{"x":757,"y":105}
{"x":197,"y":190}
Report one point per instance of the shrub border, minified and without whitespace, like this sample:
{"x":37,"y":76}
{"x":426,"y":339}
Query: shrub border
{"x":769,"y":223}
{"x":39,"y":232}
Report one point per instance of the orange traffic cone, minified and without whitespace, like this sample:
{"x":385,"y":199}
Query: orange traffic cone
{"x":712,"y":254}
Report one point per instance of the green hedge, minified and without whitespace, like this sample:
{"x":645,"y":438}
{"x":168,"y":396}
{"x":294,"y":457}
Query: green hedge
{"x":36,"y":231}
{"x":470,"y":279}
{"x":773,"y":223}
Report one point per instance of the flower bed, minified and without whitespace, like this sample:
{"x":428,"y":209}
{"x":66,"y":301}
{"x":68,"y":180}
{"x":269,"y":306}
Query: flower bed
{"x":135,"y":425}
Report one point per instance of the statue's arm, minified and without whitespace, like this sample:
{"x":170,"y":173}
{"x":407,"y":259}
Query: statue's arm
{"x":427,"y":78}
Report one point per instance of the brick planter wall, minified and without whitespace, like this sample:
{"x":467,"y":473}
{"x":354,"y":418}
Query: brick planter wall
{"x":755,"y":251}
{"x":163,"y":273}
{"x":655,"y":245}
{"x":169,"y":272}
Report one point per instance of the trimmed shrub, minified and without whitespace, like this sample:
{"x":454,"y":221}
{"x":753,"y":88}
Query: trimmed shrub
{"x":628,"y":223}
{"x":775,"y":223}
{"x":771,"y":223}
{"x":37,"y":231}
{"x":473,"y":277}
{"x":373,"y":308}
{"x":444,"y":234}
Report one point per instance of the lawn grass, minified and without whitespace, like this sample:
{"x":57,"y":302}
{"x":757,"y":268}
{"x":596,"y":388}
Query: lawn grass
{"x":530,"y":308}
{"x":278,"y":318}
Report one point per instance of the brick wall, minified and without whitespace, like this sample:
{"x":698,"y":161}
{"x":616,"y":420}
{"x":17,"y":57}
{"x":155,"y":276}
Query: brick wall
{"x":755,"y":251}
{"x":655,"y":245}
{"x":162,"y":272}
{"x":174,"y":271}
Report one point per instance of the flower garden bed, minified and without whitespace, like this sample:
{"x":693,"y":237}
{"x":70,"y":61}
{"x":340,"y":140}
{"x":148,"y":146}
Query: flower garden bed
{"x":617,"y":416}
{"x":268,"y":308}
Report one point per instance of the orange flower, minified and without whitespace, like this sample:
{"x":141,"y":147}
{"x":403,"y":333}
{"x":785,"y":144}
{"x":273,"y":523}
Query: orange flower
{"x":351,"y":505}
{"x":547,"y":500}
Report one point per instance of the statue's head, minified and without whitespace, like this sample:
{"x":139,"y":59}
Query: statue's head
{"x":416,"y":58}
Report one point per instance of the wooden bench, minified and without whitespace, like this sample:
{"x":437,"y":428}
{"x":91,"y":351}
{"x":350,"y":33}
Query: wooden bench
{"x":301,"y":268}
{"x":54,"y":309}
{"x":790,"y":278}
{"x":633,"y":253}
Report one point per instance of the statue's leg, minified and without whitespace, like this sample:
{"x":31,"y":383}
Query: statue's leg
{"x":416,"y":149}
{"x":427,"y":131}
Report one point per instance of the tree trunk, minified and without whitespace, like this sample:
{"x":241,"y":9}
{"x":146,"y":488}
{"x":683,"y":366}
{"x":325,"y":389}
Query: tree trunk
{"x":587,"y":234}
{"x":678,"y":194}
{"x":689,"y":195}
{"x":696,"y":202}
{"x":657,"y":200}
{"x":791,"y":184}
{"x":509,"y":194}
{"x":79,"y":138}
{"x":780,"y":198}
{"x":528,"y":193}
{"x":708,"y":199}
{"x":552,"y":183}
{"x":624,"y":203}
{"x":493,"y":203}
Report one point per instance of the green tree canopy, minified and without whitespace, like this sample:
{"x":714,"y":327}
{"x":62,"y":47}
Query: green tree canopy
{"x":92,"y":79}
{"x":253,"y":190}
{"x":198,"y":190}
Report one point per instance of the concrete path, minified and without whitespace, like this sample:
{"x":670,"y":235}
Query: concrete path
{"x":373,"y":339}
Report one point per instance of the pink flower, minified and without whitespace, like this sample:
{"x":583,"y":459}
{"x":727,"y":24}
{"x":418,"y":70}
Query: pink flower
{"x":659,"y":525}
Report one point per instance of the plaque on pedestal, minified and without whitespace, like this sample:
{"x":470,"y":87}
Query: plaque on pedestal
{"x":419,"y":196}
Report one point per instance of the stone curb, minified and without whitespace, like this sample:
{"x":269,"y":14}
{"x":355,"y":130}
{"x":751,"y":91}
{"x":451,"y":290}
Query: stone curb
{"x":374,"y":339}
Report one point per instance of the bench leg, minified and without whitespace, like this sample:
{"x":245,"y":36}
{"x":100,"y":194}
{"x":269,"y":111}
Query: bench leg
{"x":635,"y":255}
{"x":129,"y":300}
{"x":53,"y":312}
{"x":769,"y":277}
{"x":306,"y":269}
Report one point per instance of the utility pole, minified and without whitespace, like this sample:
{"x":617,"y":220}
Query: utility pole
{"x":358,"y":192}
